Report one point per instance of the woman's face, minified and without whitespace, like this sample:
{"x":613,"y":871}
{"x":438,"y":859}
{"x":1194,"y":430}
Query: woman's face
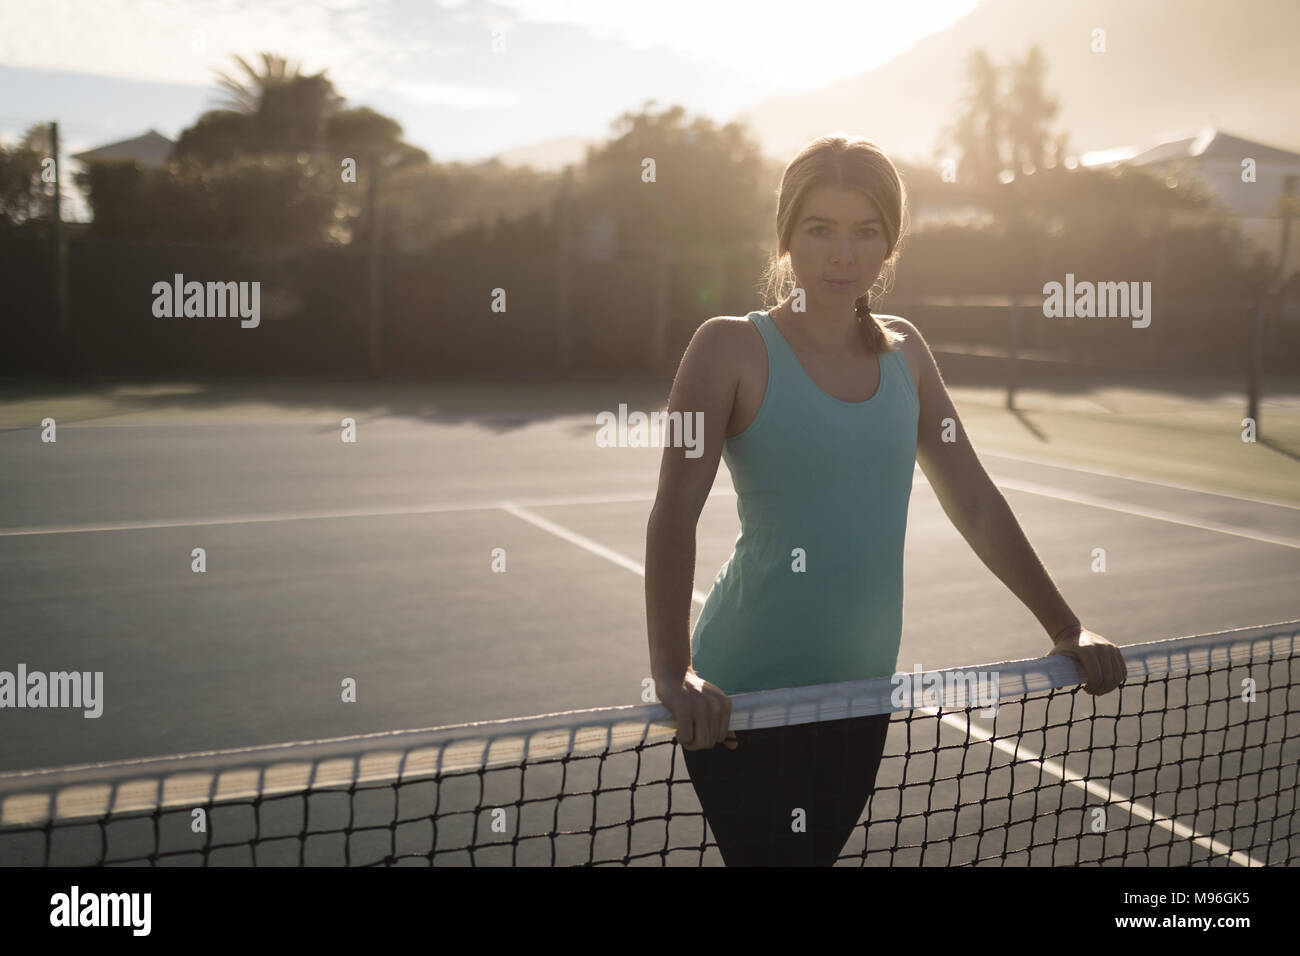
{"x":838,"y":234}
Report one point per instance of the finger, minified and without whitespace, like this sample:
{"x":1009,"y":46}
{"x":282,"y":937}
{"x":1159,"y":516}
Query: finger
{"x":1106,"y":666}
{"x":732,"y":741}
{"x":1109,"y":672}
{"x":686,"y":730}
{"x":701,"y":738}
{"x":719,"y":723}
{"x":1121,"y":668}
{"x":1088,"y":664}
{"x":709,"y":731}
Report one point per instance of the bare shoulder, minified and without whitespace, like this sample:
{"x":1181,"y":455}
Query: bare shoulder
{"x":729,"y":342}
{"x":735,"y":330}
{"x":724,"y":371}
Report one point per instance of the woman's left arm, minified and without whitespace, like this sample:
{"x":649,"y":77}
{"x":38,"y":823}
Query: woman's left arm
{"x":979,"y":511}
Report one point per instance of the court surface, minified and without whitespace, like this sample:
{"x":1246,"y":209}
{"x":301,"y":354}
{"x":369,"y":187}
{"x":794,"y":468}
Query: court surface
{"x":373,"y":562}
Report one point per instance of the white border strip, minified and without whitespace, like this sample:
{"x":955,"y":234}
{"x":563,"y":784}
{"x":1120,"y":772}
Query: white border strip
{"x":1124,"y":476}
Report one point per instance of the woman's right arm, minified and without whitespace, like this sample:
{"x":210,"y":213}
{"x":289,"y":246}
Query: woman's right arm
{"x":705,"y":389}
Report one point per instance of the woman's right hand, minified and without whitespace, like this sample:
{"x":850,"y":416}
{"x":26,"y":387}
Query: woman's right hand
{"x":702,"y":711}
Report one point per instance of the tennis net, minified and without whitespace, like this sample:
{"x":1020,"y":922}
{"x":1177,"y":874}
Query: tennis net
{"x":1192,"y":761}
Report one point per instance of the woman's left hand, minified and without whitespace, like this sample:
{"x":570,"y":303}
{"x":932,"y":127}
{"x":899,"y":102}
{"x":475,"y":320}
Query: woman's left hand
{"x":1100,"y":662}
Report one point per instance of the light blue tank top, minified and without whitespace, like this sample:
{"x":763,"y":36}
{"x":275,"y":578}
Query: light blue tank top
{"x":813,"y":592}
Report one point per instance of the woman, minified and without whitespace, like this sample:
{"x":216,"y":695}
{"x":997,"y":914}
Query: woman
{"x":824,"y":409}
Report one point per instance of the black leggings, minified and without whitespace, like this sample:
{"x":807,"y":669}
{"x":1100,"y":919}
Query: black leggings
{"x":749,"y":794}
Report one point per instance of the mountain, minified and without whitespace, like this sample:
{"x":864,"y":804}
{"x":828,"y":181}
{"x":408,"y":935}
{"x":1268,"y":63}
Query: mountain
{"x":1169,"y":65}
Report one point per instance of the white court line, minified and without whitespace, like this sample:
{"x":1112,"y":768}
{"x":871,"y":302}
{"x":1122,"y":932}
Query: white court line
{"x":1029,"y":459}
{"x":1141,"y":512}
{"x":452,"y":417}
{"x":1052,"y":767}
{"x":1103,"y":793}
{"x":631,"y":497}
{"x":586,"y":543}
{"x":614,"y":498}
{"x":443,"y":418}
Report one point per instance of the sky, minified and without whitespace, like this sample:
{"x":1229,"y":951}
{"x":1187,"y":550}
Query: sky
{"x":465,"y":79}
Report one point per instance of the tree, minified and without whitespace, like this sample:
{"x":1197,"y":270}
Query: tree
{"x":1028,"y":113}
{"x":707,"y":187}
{"x":245,"y":96}
{"x":281,"y":111}
{"x":978,"y":132}
{"x":275,"y":148}
{"x":24,"y":197}
{"x":275,"y":111}
{"x":1001,"y":135}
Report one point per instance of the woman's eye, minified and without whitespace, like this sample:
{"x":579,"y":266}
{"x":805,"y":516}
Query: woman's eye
{"x":863,"y":233}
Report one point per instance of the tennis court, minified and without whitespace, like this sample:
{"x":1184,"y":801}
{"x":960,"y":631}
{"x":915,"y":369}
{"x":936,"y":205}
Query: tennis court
{"x":377,"y":566}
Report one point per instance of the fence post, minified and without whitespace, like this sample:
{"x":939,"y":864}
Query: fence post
{"x":563,"y":269}
{"x":659,"y":334}
{"x":719,"y":281}
{"x":376,"y":302}
{"x":1253,"y":364}
{"x":1013,"y":352}
{"x":60,"y":244}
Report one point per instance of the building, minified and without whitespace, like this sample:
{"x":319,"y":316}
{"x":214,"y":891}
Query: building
{"x":149,"y":150}
{"x":1218,"y":161}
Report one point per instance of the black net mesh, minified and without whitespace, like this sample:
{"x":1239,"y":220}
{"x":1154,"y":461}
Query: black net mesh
{"x":1193,"y":761}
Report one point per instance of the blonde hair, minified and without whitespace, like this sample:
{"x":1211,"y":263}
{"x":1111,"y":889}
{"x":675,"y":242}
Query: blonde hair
{"x":852,"y":162}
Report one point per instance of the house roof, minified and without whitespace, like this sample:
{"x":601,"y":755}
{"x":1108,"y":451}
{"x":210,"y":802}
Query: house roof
{"x":149,"y":149}
{"x":1210,"y":144}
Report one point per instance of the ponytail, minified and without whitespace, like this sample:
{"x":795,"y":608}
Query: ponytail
{"x":877,"y":339}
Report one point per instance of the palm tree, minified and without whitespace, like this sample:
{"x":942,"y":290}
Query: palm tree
{"x":272,"y":109}
{"x":246,"y":96}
